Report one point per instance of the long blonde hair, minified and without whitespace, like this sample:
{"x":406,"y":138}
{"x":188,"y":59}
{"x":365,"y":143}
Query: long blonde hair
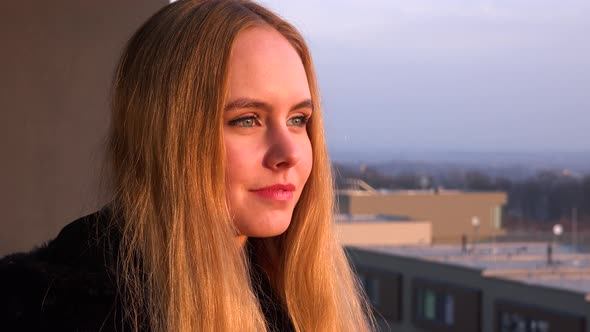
{"x":179,"y":269}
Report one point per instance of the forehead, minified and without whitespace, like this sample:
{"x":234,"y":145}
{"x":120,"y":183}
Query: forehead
{"x":264,"y":62}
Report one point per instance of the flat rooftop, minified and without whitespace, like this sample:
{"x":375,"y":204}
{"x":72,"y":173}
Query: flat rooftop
{"x":521,"y":261}
{"x":369,"y":218}
{"x":417,"y":192}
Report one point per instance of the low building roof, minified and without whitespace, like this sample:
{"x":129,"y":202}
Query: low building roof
{"x":369,"y":218}
{"x":522,"y":261}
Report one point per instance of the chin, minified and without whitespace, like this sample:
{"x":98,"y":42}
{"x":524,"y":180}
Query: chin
{"x":264,"y":229}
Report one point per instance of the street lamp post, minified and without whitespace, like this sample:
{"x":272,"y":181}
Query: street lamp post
{"x":575,"y":229}
{"x":557,"y":231}
{"x":475,"y":223}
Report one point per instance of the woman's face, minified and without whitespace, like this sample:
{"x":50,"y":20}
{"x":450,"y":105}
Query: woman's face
{"x":268,"y":152}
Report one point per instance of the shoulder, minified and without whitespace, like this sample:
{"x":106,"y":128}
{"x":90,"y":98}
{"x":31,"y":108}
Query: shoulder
{"x":69,"y":280}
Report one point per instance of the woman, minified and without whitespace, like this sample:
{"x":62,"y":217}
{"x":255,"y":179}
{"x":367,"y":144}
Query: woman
{"x":222,"y":212}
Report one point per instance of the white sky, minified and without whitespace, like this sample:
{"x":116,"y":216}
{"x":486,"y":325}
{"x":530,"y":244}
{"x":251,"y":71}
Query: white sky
{"x":457,"y":74}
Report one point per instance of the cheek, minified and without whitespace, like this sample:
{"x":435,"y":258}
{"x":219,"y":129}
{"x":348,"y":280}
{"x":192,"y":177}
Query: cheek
{"x":235,"y":161}
{"x":242,"y":164}
{"x":306,"y":160}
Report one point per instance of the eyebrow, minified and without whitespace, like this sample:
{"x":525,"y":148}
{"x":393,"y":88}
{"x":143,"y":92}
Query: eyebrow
{"x":253,"y":103}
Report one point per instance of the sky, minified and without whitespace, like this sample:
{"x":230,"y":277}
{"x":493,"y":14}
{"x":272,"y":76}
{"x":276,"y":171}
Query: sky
{"x":457,"y":75}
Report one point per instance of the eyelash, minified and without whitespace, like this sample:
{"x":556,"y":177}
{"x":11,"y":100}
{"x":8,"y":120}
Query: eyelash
{"x":256,"y":121}
{"x":238,"y":121}
{"x":304,"y":119}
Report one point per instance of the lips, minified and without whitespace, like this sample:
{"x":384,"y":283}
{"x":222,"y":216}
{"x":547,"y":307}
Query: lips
{"x":277,"y":192}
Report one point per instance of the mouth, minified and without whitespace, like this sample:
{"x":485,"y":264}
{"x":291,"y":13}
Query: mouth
{"x":277,"y":192}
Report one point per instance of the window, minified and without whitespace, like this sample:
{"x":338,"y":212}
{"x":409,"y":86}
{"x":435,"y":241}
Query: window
{"x":384,"y":292}
{"x":449,"y":309}
{"x":514,"y":322}
{"x":526,"y":317}
{"x":435,"y":306}
{"x":372,"y":288}
{"x":445,"y":307}
{"x":497,"y":217}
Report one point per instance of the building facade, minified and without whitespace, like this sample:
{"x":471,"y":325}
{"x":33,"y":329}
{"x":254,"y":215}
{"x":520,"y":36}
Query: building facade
{"x":433,"y":290}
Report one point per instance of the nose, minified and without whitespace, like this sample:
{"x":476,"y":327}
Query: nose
{"x":283,"y":151}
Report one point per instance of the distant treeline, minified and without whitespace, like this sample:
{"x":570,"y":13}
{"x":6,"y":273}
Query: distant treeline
{"x":542,"y":199}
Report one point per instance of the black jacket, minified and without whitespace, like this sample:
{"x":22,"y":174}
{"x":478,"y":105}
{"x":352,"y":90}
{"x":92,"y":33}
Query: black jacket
{"x":69,"y":284}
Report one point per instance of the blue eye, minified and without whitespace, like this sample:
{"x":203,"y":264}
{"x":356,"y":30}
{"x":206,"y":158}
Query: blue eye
{"x":246,"y":122}
{"x":298,"y":121}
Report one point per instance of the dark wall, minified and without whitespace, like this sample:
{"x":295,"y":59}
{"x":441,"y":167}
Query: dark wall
{"x":56,"y":63}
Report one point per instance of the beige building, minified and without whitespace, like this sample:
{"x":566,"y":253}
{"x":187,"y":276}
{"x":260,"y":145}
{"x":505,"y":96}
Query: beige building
{"x":453,"y":214}
{"x":382,"y":230}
